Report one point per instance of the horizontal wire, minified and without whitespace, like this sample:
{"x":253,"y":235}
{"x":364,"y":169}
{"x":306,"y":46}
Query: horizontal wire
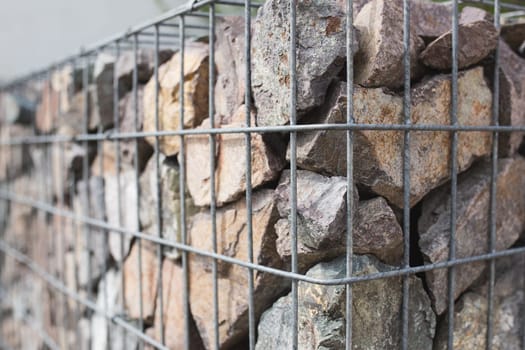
{"x":286,"y":274}
{"x":55,"y":283}
{"x":259,"y":129}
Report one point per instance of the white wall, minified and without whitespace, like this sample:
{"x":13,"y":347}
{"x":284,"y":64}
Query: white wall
{"x":34,"y":33}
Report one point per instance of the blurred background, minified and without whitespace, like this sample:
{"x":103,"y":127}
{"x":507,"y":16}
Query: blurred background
{"x":35,"y":33}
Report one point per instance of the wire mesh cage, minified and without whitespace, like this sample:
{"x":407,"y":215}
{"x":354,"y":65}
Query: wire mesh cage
{"x":203,"y":181}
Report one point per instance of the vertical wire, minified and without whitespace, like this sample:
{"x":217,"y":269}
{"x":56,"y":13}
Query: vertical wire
{"x":182,"y":191}
{"x":293,"y":171}
{"x":406,"y":176}
{"x":248,"y":157}
{"x":85,"y":179}
{"x":454,"y":177}
{"x":213,"y":204}
{"x":493,"y":187}
{"x":159,"y":191}
{"x":62,"y":237}
{"x":137,"y":179}
{"x":349,"y":168}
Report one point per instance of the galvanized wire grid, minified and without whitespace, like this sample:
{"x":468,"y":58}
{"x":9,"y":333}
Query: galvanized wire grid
{"x":171,"y":30}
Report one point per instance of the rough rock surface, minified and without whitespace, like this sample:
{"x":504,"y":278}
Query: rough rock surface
{"x":89,"y":202}
{"x":173,"y":313}
{"x":430,"y":19}
{"x":230,"y":88}
{"x":511,"y":98}
{"x":377,"y":231}
{"x":376,"y":312}
{"x":378,"y":160}
{"x":232,"y":240}
{"x":321,"y":217}
{"x":126,"y":216}
{"x":321,"y":52}
{"x":470,"y":316}
{"x":477,"y":38}
{"x":472,"y":223}
{"x":230,"y":163}
{"x":195,"y":84}
{"x":379,"y":61}
{"x":170,"y":201}
{"x":514,"y":36}
{"x":128,"y":124}
{"x":134,"y":275}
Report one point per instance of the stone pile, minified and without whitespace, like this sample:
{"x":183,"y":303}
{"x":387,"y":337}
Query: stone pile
{"x":192,"y":189}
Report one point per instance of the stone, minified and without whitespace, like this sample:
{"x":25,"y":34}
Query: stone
{"x":123,"y":187}
{"x":47,"y":111}
{"x":470,"y":313}
{"x":16,"y":109}
{"x":514,"y":36}
{"x":230,"y":88}
{"x":232,"y":241}
{"x":376,"y":311}
{"x":472,"y":223}
{"x":173,"y":311}
{"x":66,"y":82}
{"x":321,"y":217}
{"x":511,"y":98}
{"x":106,"y":334}
{"x":430,"y":19}
{"x":170,"y":202}
{"x":147,"y":274}
{"x":125,"y":65}
{"x":128,"y":125}
{"x":230,"y":162}
{"x":477,"y":38}
{"x":378,"y":159}
{"x":321,"y":53}
{"x":91,"y":260}
{"x":380,"y":60}
{"x":195,"y":84}
{"x":15,"y":159}
{"x":377,"y":231}
{"x":67,"y":160}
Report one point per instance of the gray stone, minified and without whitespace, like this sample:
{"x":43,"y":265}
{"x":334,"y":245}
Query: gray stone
{"x":170,"y":202}
{"x":16,"y":159}
{"x":16,"y":108}
{"x":230,"y":162}
{"x":376,"y":322}
{"x":377,"y":231}
{"x":232,"y":241}
{"x":380,"y":60}
{"x":230,"y":88}
{"x":477,"y":38}
{"x":511,"y":98}
{"x":378,"y":156}
{"x":470,"y":312}
{"x":321,"y":52}
{"x":472,"y":225}
{"x":321,"y":217}
{"x":430,"y":19}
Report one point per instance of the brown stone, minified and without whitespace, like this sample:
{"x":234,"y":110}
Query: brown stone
{"x":147,"y":274}
{"x":321,"y":52}
{"x":430,"y":19}
{"x":380,"y":60}
{"x":511,"y":98}
{"x":196,"y":69}
{"x":472,"y":225}
{"x":377,"y":231}
{"x":321,"y":217}
{"x":173,"y":321}
{"x":230,"y":88}
{"x":470,"y":312}
{"x":232,"y":241}
{"x":230,"y":163}
{"x":477,"y":38}
{"x":169,"y":182}
{"x":378,"y":159}
{"x":130,"y":123}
